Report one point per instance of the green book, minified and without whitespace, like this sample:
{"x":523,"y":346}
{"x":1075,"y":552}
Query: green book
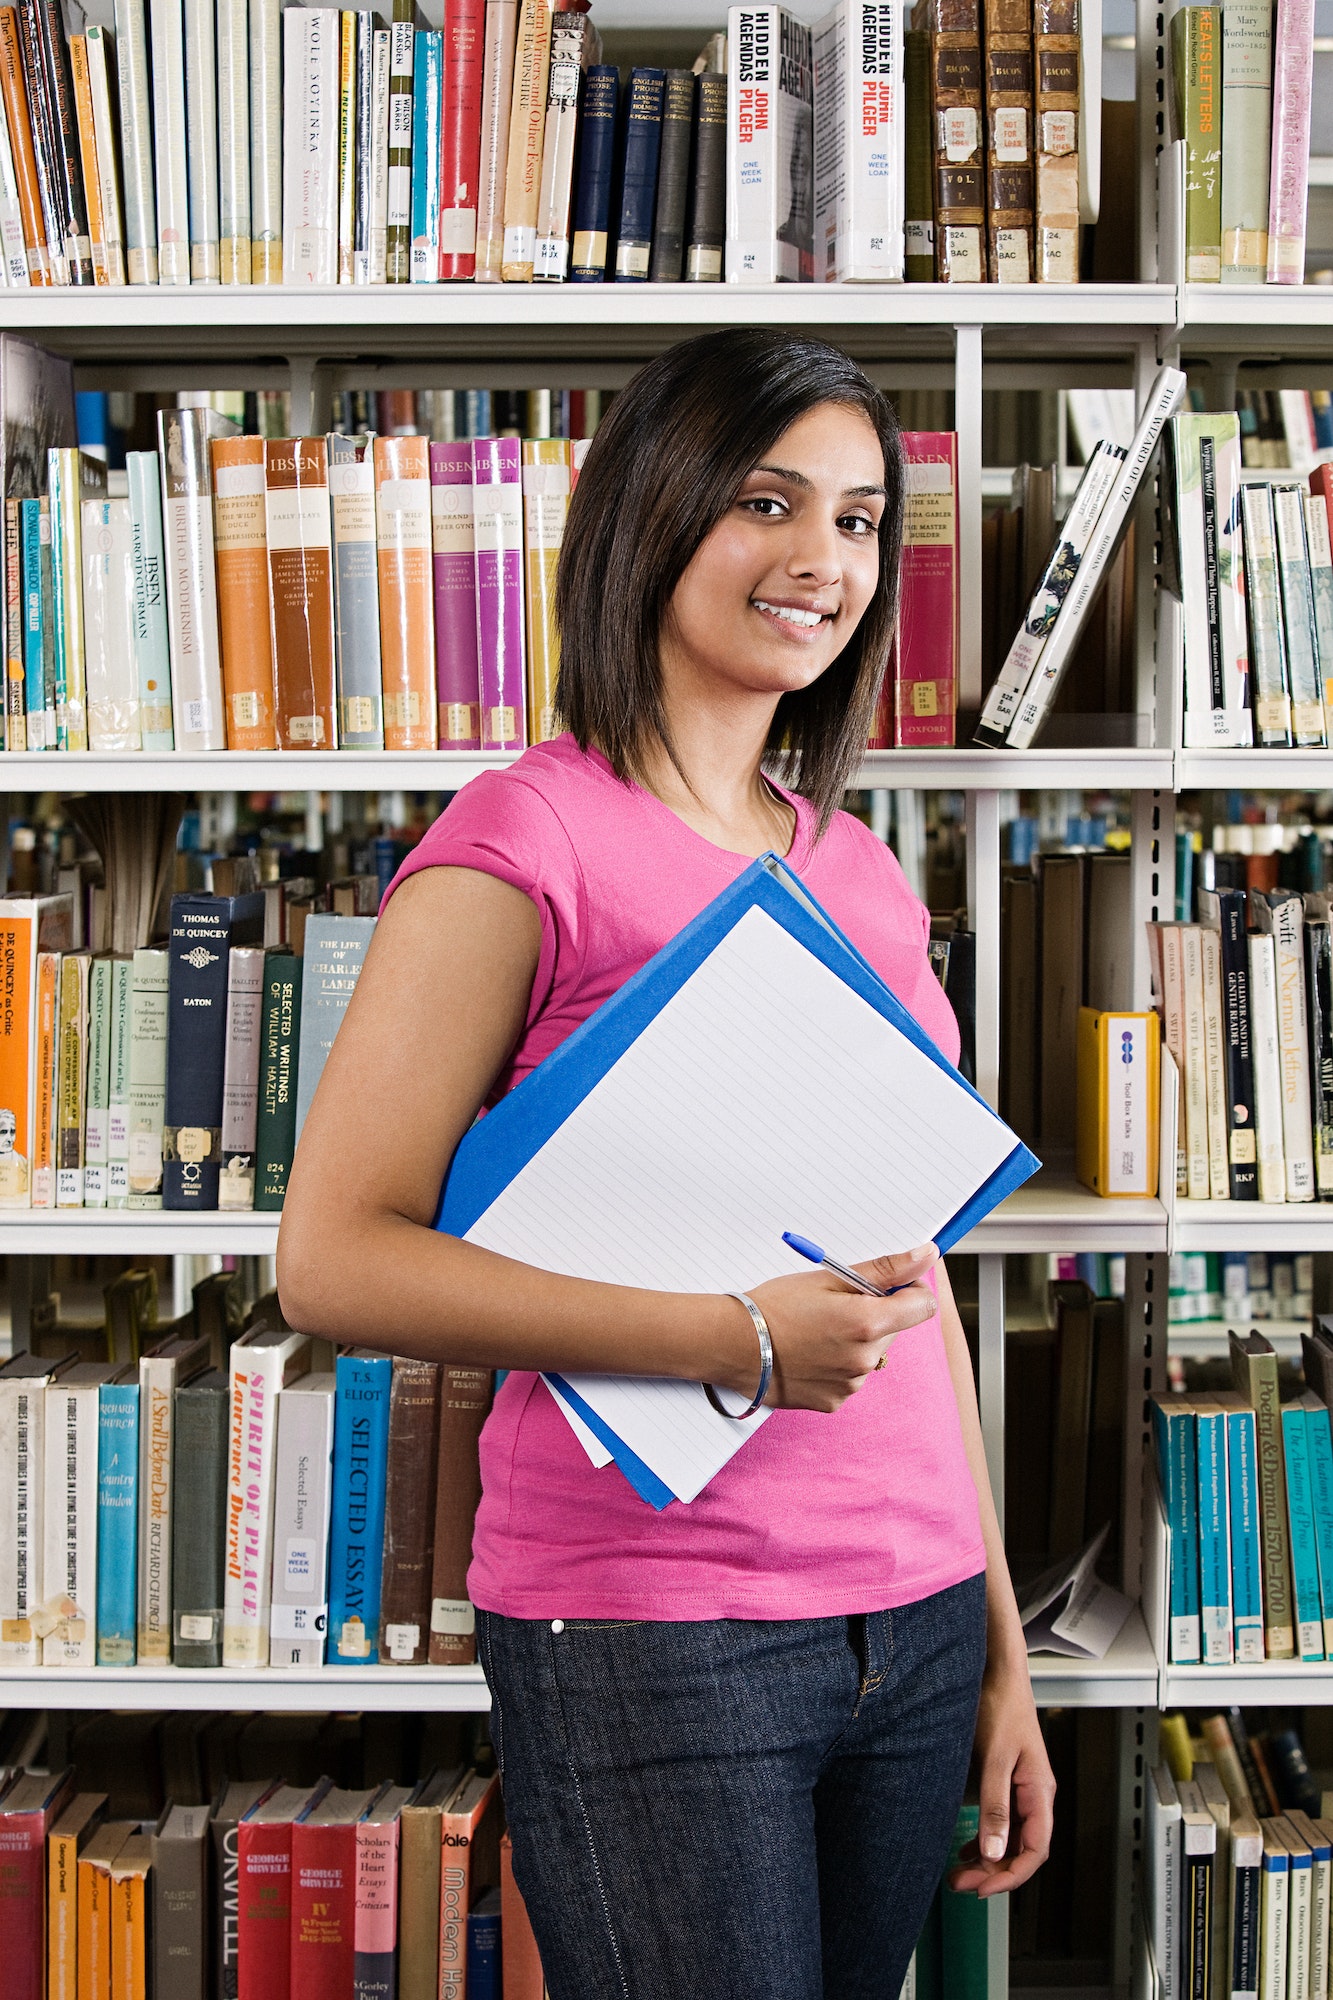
{"x":118,"y":1105}
{"x":148,"y":1076}
{"x":1196,"y":79}
{"x":964,"y":1923}
{"x":198,"y":1549}
{"x":1254,"y":1372}
{"x":919,"y":185}
{"x":1247,"y":118}
{"x":280,"y":1030}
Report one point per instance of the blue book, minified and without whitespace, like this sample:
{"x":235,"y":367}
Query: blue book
{"x":1319,"y":1441}
{"x":427,"y":85}
{"x":641,"y":149}
{"x":1309,"y":1620}
{"x":1321,"y":408}
{"x":38,"y":637}
{"x":1210,"y":1444}
{"x":117,"y":1523}
{"x":483,"y":1948}
{"x":1173,"y":1429}
{"x":597,"y":152}
{"x":356,"y":1532}
{"x":1247,"y":1595}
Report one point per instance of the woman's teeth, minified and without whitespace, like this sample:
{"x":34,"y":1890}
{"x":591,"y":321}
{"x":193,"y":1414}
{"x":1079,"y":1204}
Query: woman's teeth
{"x":790,"y":613}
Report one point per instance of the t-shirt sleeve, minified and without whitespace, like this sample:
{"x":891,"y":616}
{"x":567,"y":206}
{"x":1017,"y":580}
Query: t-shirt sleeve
{"x":500,"y":826}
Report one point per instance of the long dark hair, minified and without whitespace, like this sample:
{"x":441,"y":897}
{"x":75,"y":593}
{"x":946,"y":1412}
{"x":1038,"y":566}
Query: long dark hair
{"x":662,"y":471}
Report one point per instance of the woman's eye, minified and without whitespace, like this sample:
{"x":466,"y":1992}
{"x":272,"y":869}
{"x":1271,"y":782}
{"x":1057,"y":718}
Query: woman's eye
{"x":766,"y":504}
{"x":858,"y":524}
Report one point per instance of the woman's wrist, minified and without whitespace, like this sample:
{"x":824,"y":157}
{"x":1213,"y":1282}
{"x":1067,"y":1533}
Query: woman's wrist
{"x":728,"y":1346}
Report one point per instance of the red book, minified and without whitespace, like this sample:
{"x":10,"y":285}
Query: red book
{"x":518,"y":1947}
{"x":924,"y":667}
{"x":264,"y":1891}
{"x":460,"y":135}
{"x":324,"y":1896}
{"x":28,"y":1811}
{"x":469,"y":1864}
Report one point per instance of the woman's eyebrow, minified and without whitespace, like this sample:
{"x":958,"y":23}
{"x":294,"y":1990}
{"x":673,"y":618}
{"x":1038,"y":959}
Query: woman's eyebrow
{"x":794,"y":478}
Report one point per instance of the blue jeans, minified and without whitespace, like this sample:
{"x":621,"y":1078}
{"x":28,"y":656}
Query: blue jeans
{"x":755,"y":1809}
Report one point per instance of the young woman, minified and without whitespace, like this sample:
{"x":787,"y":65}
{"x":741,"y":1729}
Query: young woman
{"x":733,"y":1735}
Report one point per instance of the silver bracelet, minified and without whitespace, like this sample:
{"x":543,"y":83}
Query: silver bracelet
{"x":765,"y":1364}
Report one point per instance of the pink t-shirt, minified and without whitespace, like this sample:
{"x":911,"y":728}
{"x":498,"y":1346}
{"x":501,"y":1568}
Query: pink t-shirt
{"x":817,"y":1516}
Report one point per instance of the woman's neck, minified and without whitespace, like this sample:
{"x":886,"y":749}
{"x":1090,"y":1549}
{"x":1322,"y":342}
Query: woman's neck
{"x":717,"y":785}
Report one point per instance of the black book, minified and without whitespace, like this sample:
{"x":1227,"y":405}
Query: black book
{"x":673,"y":178}
{"x":199,"y":1510}
{"x":592,"y":198}
{"x":1291,"y":1772}
{"x":279,"y":1048}
{"x":706,"y":229}
{"x":69,"y":158}
{"x":233,"y":1803}
{"x":1319,"y":1019}
{"x":203,"y":931}
{"x":55,"y":222}
{"x":1242,"y":1148}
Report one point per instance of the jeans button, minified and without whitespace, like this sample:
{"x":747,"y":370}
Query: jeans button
{"x":557,"y":1624}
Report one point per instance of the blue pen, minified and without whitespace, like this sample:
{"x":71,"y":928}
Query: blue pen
{"x":805,"y":1248}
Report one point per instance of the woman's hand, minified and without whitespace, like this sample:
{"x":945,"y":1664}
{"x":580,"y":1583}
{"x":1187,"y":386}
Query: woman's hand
{"x":827,"y":1338}
{"x":1011,"y":1752}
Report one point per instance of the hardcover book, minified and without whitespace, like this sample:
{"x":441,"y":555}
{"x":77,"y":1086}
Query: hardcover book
{"x":356,"y":605}
{"x":241,"y":541}
{"x":427,"y":58}
{"x":770,"y":155}
{"x":546,"y":489}
{"x":925,"y":657}
{"x":240,"y":1077}
{"x":453,"y":542}
{"x":1293,"y":69}
{"x":192,"y":601}
{"x":356,"y":1542}
{"x":497,"y":475}
{"x":465,"y":1401}
{"x":1247,"y":119}
{"x":199,"y":1506}
{"x":527,"y":124}
{"x":667,"y":261}
{"x":167,"y":1363}
{"x":117,"y":1521}
{"x":592,"y":201}
{"x":72,"y":1424}
{"x":1254,"y":1372}
{"x":300,"y":556}
{"x":108,"y":608}
{"x":310,"y":145}
{"x":1196,"y":77}
{"x":407,"y":588}
{"x":496,"y":108}
{"x":409,"y":1511}
{"x":335,"y":951}
{"x":302,"y":1491}
{"x":262,"y":1363}
{"x":264,"y":1902}
{"x":460,"y":146}
{"x":376,"y":1922}
{"x":203,"y":931}
{"x":179,"y":1894}
{"x":279,"y":1052}
{"x":706,"y":224}
{"x":152,"y":656}
{"x":640,"y":152}
{"x":76,"y":1826}
{"x":1057,"y":63}
{"x":858,"y":107}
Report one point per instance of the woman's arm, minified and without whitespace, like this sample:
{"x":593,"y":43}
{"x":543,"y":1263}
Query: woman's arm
{"x":440,"y":1004}
{"x":1009,"y":1741}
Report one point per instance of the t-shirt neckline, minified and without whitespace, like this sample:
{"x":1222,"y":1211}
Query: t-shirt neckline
{"x":797,"y":854}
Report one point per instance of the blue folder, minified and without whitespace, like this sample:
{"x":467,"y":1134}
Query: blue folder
{"x":499,"y":1145}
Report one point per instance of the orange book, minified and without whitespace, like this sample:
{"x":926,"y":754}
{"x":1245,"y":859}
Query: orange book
{"x":407,"y":591}
{"x":546,"y":483}
{"x":92,"y":179}
{"x":129,"y":1919}
{"x":240,"y":542}
{"x":94,"y":1944}
{"x":46,"y":1038}
{"x":77,"y":1825}
{"x":520,"y":1959}
{"x":300,"y":567}
{"x":469,"y":1863}
{"x":20,"y":142}
{"x":27,"y":925}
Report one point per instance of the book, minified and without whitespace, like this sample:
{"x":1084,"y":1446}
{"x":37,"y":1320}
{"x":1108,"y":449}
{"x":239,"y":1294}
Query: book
{"x":427,"y":70}
{"x":69,"y":1562}
{"x":92,"y":185}
{"x":527,"y":125}
{"x":46,"y":1088}
{"x":959,"y":142}
{"x":1243,"y":1485}
{"x":409,"y":1511}
{"x":1214,"y":1533}
{"x":1199,"y":1854}
{"x":1162,"y":1866}
{"x":1117,"y":1112}
{"x":71,"y":477}
{"x":356,"y":1542}
{"x":521,"y":1966}
{"x":201,"y":140}
{"x":134,"y":87}
{"x":117,"y":1522}
{"x":235,"y":262}
{"x":335,"y":951}
{"x":469,"y":1821}
{"x":37,"y":85}
{"x":420,"y":1827}
{"x":100,"y":73}
{"x":348,"y":160}
{"x":171,"y":165}
{"x":28,"y":1809}
{"x":279,"y":1055}
{"x":770,"y":119}
{"x":26,"y":925}
{"x":179,"y":1896}
{"x":1270,"y":687}
{"x":1321,"y":582}
{"x":203,"y":931}
{"x":167,"y":1363}
{"x":77,"y":1824}
{"x":1254,"y":1372}
{"x":148,"y":1076}
{"x":546,"y":488}
{"x":234,"y":1801}
{"x":640,"y":150}
{"x":302,"y":1486}
{"x":240,"y":1078}
{"x":925,"y":656}
{"x":38,"y":642}
{"x":572,"y":41}
{"x":151,"y":650}
{"x":1316,"y":1837}
{"x":375,"y":1930}
{"x":667,"y":259}
{"x":1203,"y":486}
{"x":1288,"y":922}
{"x":15,"y":102}
{"x":363,"y":146}
{"x":300,"y":559}
{"x":130,"y":1915}
{"x":460,"y":146}
{"x":497,"y":501}
{"x":1308,"y":1615}
{"x":406,"y":590}
{"x":1247,"y":118}
{"x":919,"y":151}
{"x":1298,"y":616}
{"x":107,"y":537}
{"x":192,"y":606}
{"x":1266,"y":1049}
{"x":1177,"y":1463}
{"x":1196,"y":78}
{"x":497,"y":91}
{"x":356,"y":609}
{"x":592,"y":199}
{"x":266,"y":147}
{"x":1293,"y":51}
{"x":264,"y":1885}
{"x":71,"y":195}
{"x":262,"y":1363}
{"x":858,"y":111}
{"x":244,"y":625}
{"x":465,"y":1401}
{"x":484,"y":1966}
{"x":72,"y":1062}
{"x":1057,"y":70}
{"x":323,"y":1878}
{"x":199,"y":1508}
{"x":95,"y":1136}
{"x":706,"y":221}
{"x":1319,"y":1451}
{"x":94,"y":1873}
{"x":1319,"y":1016}
{"x":454,"y":558}
{"x":310,"y":145}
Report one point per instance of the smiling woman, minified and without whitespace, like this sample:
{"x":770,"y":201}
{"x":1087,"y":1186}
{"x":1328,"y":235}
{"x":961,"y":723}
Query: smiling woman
{"x":732,"y":1735}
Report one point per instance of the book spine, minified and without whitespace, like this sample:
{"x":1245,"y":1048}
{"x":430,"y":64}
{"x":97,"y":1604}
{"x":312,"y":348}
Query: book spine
{"x":356,"y":1542}
{"x":465,"y":1400}
{"x":407,"y":586}
{"x":299,"y":533}
{"x":157,"y":1390}
{"x":1241,"y":1145}
{"x":323,"y":1918}
{"x":92,"y":179}
{"x":108,"y":171}
{"x":1293,"y":69}
{"x":363,"y":149}
{"x":199,"y":1504}
{"x":1206,"y":502}
{"x":497,"y":88}
{"x":1266,"y":1052}
{"x":1010,"y":189}
{"x":667,"y":263}
{"x":256,"y":1378}
{"x":169,"y":142}
{"x":379,"y":166}
{"x":148,"y":1076}
{"x":925,"y":660}
{"x":96,"y":1139}
{"x":497,"y":474}
{"x":1256,"y":1378}
{"x":1057,"y":62}
{"x":1321,"y":584}
{"x":919,"y":158}
{"x":1319,"y":1450}
{"x":527,"y":126}
{"x":266,"y":137}
{"x":179,"y":1890}
{"x":39,"y":729}
{"x":455,"y":563}
{"x":1195,"y":1079}
{"x":22,"y":1474}
{"x":409,"y":1512}
{"x":152,"y":654}
{"x":275,"y":1123}
{"x":640,"y":156}
{"x":1247,"y":119}
{"x":118,"y":1081}
{"x":21,"y":142}
{"x":36,"y":84}
{"x":192,"y":600}
{"x":335,"y":951}
{"x":16,"y":729}
{"x":241,"y":543}
{"x":1177,"y":1459}
{"x":201,"y":142}
{"x":398,"y":226}
{"x":264,"y":1910}
{"x":310,"y":146}
{"x":959,"y":153}
{"x":70,"y":1505}
{"x":347,"y":161}
{"x":460,"y":144}
{"x":1196,"y":38}
{"x":112,"y":681}
{"x":64,"y":125}
{"x":73,"y":1078}
{"x":1214,"y":1538}
{"x":134,"y":84}
{"x":1300,"y":1519}
{"x":1298,"y":617}
{"x":1247,"y":1611}
{"x":1319,"y":1019}
{"x":1268,"y":659}
{"x":1219,"y":1175}
{"x":240,"y":1078}
{"x":233,"y":129}
{"x":428,"y":58}
{"x":860,"y":107}
{"x":376,"y":1923}
{"x":545,"y":505}
{"x":196,"y":1051}
{"x":46,"y":1047}
{"x":752,"y":161}
{"x":63,"y":489}
{"x":302,"y":1486}
{"x":356,"y":603}
{"x":18,"y":981}
{"x":706,"y":225}
{"x":592,"y":203}
{"x":1293,"y":1047}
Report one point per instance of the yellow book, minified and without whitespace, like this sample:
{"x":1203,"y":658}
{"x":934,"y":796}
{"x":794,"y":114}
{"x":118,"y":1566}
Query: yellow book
{"x":1176,"y":1746}
{"x":92,"y":179}
{"x":546,"y":482}
{"x":527,"y":126}
{"x":76,"y":1826}
{"x":1117,"y":1112}
{"x":94,"y":1940}
{"x":72,"y":1062}
{"x":45,"y":1089}
{"x":347,"y":160}
{"x":129,"y":1919}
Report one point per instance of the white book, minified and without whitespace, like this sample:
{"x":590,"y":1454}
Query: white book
{"x":1288,"y":920}
{"x":1298,"y":429}
{"x":23,"y":1384}
{"x":118,"y":1108}
{"x":134,"y":94}
{"x":859,"y":143}
{"x":1274,"y":1911}
{"x":302,"y":1492}
{"x":192,"y":589}
{"x":104,"y":139}
{"x":69,"y":1565}
{"x":13,"y":249}
{"x":201,"y":148}
{"x":1195,"y":1095}
{"x":1205,"y":471}
{"x":263,"y":1362}
{"x":240,"y":1076}
{"x":379,"y":168}
{"x":1173,"y":1027}
{"x":571,"y":40}
{"x":1214,"y":1053}
{"x":159,"y":1374}
{"x":169,"y":142}
{"x":1162,"y":1858}
{"x":1164,"y":399}
{"x":311,"y":110}
{"x":1300,"y":1913}
{"x":1264,"y":1048}
{"x":1321,"y":581}
{"x":233,"y":33}
{"x":266,"y":131}
{"x":111,"y":669}
{"x":770,"y":147}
